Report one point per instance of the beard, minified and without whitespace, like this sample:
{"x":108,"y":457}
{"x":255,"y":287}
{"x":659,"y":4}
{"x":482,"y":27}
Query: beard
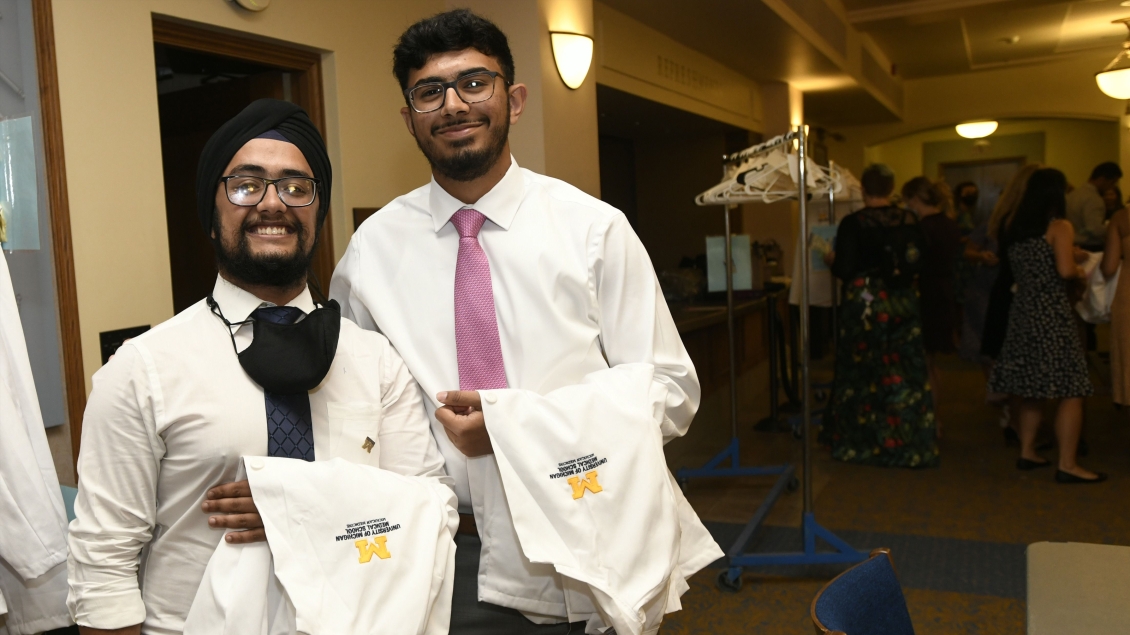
{"x":466,"y":164}
{"x":276,"y":269}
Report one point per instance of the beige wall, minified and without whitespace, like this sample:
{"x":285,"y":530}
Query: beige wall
{"x":1072,"y":145}
{"x":107,"y":85}
{"x":639,"y":60}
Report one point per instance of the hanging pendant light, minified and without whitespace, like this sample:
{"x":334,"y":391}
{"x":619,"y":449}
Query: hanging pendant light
{"x":1114,"y":80}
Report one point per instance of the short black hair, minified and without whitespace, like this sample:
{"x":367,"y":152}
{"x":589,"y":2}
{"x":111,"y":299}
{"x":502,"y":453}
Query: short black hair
{"x":1109,"y":171}
{"x":877,"y":180}
{"x":456,"y":30}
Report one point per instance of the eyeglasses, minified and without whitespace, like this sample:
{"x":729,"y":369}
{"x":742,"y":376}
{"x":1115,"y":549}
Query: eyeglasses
{"x":471,"y":88}
{"x":248,"y":191}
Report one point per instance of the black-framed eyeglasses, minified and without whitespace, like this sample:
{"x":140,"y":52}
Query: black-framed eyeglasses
{"x":471,"y":88}
{"x":248,"y":191}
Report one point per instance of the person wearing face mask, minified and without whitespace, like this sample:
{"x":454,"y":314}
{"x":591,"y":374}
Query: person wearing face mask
{"x":965,"y":197}
{"x":496,"y":279}
{"x":256,"y":368}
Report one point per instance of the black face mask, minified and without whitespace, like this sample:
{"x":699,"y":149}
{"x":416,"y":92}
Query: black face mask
{"x":289,"y":358}
{"x":969,"y":200}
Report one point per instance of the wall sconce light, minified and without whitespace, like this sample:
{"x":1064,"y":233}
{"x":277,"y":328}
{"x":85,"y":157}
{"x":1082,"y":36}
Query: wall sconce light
{"x":1114,"y":80}
{"x":253,"y":5}
{"x":976,"y":129}
{"x":573,"y":54}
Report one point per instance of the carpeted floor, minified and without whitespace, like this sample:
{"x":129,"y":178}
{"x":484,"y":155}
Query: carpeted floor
{"x":958,"y":533}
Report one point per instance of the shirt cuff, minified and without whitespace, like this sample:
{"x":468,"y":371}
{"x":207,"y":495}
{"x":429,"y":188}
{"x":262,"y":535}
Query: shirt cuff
{"x":107,"y":611}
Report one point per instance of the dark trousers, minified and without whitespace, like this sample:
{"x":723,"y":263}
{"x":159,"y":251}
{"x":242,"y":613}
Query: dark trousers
{"x":469,"y":616}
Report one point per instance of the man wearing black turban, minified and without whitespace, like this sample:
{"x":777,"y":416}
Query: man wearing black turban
{"x":254,"y":369}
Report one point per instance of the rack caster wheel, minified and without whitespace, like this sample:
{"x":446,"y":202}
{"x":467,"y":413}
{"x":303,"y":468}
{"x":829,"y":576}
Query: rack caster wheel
{"x":793,"y":485}
{"x":726,"y":585}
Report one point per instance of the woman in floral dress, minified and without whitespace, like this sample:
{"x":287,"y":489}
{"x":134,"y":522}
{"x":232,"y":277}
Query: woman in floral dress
{"x":881,"y":411}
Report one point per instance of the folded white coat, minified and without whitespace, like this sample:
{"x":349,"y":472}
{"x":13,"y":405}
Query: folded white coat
{"x":351,"y":549}
{"x":590,"y":493}
{"x":33,"y":521}
{"x":1096,"y":302}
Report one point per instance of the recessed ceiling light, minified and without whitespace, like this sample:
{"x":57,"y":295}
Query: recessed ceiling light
{"x":1125,"y":3}
{"x":1013,"y":39}
{"x":976,"y":129}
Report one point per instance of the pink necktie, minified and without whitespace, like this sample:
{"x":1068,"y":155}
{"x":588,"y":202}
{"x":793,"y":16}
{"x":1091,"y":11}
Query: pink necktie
{"x":476,"y":326}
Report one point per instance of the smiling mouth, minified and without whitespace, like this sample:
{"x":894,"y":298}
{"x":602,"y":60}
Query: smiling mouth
{"x":462,"y":126}
{"x":270,"y":230}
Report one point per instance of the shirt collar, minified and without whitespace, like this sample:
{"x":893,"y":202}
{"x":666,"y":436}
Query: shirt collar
{"x":237,"y":304}
{"x":499,"y":204}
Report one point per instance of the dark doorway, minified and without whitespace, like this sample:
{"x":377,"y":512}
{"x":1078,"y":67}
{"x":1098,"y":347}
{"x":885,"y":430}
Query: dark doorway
{"x":204,"y":79}
{"x":990,"y":176}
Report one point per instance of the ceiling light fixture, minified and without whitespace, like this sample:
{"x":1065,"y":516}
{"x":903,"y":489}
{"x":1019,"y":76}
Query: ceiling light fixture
{"x":1114,"y":80}
{"x":573,"y":54}
{"x":976,"y":129}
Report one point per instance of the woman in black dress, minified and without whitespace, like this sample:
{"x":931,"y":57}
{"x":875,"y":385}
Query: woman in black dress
{"x":1042,"y":356}
{"x":936,"y":284}
{"x":881,"y":411}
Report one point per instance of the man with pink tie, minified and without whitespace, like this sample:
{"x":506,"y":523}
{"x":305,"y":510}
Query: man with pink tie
{"x":495,"y":277}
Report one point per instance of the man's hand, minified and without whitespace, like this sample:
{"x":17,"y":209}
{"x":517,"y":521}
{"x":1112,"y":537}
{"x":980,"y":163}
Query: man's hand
{"x":234,"y":501}
{"x":462,"y":418}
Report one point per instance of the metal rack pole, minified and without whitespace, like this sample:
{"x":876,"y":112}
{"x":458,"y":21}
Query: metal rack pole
{"x":806,"y":386}
{"x":730,"y":332}
{"x":832,"y":277}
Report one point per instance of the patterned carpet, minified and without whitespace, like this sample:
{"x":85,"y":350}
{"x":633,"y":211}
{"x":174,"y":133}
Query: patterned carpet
{"x":957,"y":533}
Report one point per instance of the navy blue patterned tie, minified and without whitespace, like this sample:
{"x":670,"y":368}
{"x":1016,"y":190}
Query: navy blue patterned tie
{"x":290,"y":433}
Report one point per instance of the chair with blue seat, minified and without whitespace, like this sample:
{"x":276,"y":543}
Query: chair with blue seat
{"x":864,"y":600}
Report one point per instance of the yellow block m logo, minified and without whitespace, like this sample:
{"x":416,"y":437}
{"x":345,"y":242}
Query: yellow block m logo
{"x":377,"y":547}
{"x":588,"y":483}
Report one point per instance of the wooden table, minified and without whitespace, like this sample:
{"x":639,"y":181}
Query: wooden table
{"x":1075,"y":587}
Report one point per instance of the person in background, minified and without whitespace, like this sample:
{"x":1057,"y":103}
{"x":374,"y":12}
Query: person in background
{"x":1086,"y":209}
{"x":1042,"y":356}
{"x":937,"y":282}
{"x":1113,"y":200}
{"x":881,"y":411}
{"x":965,"y":197}
{"x":1117,"y":249}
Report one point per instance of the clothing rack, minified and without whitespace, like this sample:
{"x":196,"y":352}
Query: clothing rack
{"x":730,"y":578}
{"x":732,"y":452}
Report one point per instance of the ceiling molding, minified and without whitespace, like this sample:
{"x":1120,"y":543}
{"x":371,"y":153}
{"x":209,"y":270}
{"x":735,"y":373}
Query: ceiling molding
{"x":914,"y":8}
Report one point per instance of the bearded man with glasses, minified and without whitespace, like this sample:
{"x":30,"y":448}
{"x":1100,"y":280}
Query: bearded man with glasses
{"x":495,"y":278}
{"x":254,"y":369}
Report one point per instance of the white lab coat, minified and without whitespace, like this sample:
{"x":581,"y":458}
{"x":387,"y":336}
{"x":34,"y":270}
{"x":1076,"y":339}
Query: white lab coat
{"x":589,"y":491}
{"x":33,"y":521}
{"x":350,"y":549}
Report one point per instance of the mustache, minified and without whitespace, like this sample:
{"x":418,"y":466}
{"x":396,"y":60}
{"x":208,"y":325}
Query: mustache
{"x":249,"y":222}
{"x":459,"y":122}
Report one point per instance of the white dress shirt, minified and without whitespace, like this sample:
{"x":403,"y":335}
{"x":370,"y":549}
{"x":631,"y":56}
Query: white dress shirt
{"x":33,"y":522}
{"x":1087,"y":212}
{"x":170,"y":416}
{"x":574,"y":292}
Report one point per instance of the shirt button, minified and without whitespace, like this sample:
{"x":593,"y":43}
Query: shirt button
{"x":491,"y":398}
{"x":256,"y":464}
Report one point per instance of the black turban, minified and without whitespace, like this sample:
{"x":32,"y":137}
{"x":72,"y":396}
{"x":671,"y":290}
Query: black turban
{"x":261,"y":116}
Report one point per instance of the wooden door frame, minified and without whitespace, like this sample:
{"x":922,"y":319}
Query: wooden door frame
{"x":251,"y":48}
{"x":62,"y":249}
{"x":942,"y":165}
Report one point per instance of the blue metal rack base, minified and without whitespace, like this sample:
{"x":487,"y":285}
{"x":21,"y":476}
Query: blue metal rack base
{"x":731,"y":452}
